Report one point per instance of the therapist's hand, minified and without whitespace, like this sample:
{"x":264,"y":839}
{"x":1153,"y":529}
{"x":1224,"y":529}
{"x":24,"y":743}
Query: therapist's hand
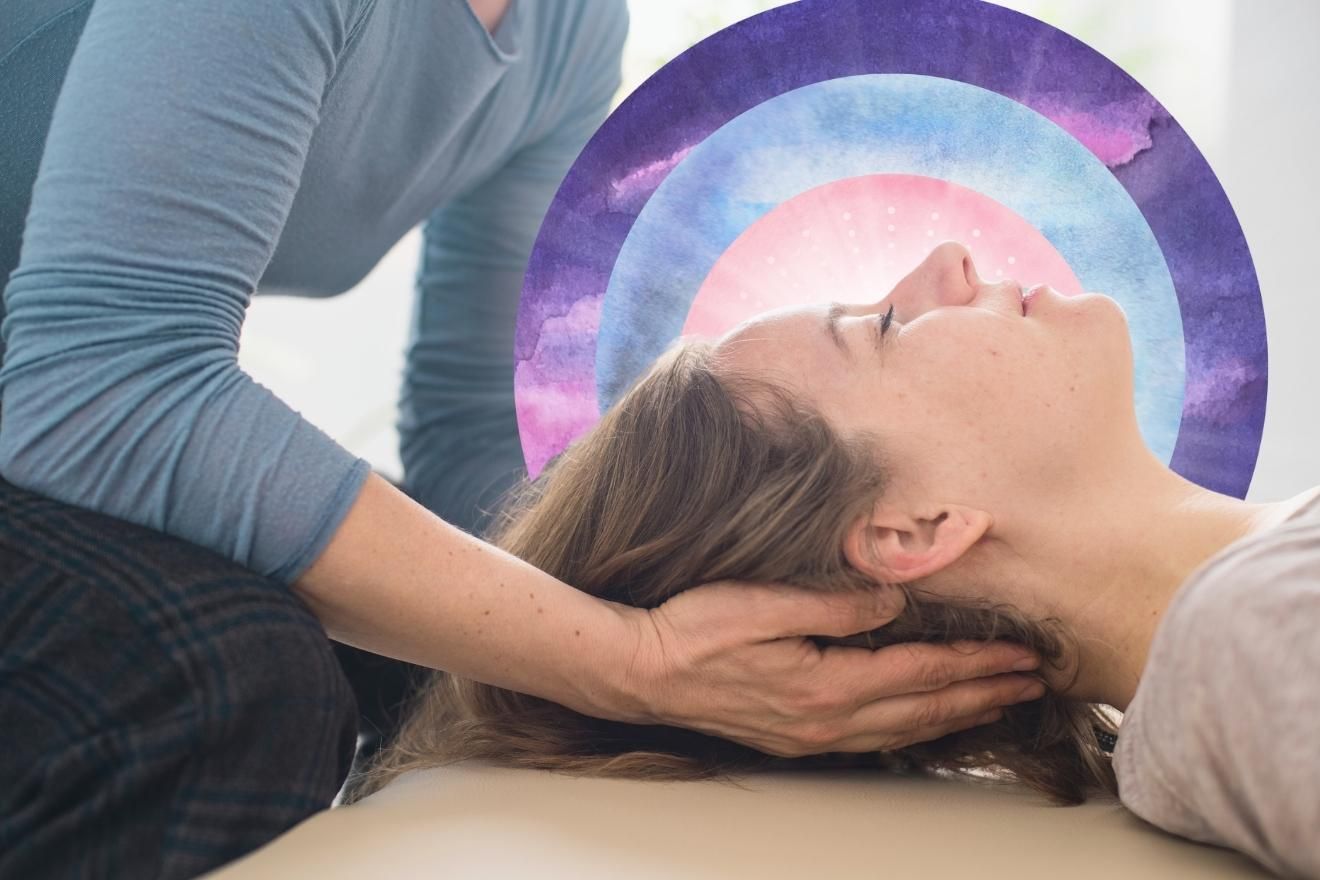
{"x":732,"y":659}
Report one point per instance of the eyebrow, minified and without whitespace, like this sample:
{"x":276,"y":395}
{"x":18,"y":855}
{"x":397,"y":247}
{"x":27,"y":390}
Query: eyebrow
{"x":832,"y":316}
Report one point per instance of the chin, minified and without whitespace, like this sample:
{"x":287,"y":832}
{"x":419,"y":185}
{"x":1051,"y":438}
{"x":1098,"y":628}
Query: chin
{"x":1109,"y":357}
{"x":1105,"y":318}
{"x":1111,"y":303}
{"x":1095,"y":298}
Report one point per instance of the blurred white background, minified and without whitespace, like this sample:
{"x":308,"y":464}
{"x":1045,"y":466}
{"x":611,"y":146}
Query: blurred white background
{"x":1239,"y":75}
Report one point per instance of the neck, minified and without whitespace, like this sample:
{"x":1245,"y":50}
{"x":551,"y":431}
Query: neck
{"x":1114,"y":558}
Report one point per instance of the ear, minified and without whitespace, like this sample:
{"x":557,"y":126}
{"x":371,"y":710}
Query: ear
{"x":895,"y":546}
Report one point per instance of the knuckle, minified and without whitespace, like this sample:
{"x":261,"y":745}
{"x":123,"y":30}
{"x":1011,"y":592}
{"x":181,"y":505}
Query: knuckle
{"x":817,"y":701}
{"x":934,"y":673}
{"x":931,"y":712}
{"x":917,"y":669}
{"x":808,"y":693}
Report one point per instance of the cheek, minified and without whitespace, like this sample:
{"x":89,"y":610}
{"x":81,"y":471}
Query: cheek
{"x":983,"y":398}
{"x":963,"y":382}
{"x":1000,"y":412}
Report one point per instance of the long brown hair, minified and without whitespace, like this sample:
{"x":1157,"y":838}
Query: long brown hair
{"x":696,"y":476}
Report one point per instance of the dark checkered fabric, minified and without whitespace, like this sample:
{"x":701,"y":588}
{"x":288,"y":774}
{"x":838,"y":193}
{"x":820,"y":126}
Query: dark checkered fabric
{"x":164,"y":709}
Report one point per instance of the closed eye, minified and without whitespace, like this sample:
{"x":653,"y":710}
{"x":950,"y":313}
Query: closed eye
{"x":884,"y":322}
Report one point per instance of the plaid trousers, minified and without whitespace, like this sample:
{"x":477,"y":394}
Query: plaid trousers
{"x":165,"y":710}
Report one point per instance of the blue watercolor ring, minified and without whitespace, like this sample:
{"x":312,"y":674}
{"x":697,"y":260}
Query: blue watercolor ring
{"x":969,"y":41}
{"x":897,"y":124}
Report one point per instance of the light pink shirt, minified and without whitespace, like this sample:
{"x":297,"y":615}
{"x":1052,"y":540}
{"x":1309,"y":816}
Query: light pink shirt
{"x":1221,"y":743}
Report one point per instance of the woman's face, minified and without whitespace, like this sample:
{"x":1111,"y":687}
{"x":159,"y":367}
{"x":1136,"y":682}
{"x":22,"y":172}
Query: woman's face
{"x":971,"y":399}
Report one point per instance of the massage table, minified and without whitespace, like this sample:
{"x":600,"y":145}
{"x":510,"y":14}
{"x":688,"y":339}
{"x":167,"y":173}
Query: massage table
{"x":475,"y":820}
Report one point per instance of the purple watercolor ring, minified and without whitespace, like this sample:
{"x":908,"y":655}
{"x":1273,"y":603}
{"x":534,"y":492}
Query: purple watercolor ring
{"x":968,"y":41}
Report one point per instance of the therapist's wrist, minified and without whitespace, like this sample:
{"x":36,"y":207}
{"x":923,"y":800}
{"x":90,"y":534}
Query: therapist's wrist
{"x":610,"y":672}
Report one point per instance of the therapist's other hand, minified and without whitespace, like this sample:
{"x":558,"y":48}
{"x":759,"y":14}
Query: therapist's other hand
{"x":732,"y":659}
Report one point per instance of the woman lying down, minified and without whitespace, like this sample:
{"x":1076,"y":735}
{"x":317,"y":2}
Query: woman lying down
{"x":984,"y":457}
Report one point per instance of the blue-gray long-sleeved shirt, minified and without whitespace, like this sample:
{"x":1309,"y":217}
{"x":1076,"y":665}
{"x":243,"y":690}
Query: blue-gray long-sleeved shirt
{"x":199,"y":152}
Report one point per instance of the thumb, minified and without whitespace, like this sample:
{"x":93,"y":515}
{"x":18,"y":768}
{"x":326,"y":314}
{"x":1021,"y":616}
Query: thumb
{"x":786,"y":610}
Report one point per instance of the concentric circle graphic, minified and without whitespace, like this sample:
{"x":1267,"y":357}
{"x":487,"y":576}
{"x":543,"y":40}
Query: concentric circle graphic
{"x":820,"y":150}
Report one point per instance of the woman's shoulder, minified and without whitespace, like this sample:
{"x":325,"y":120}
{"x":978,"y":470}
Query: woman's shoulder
{"x":1237,"y":631}
{"x":1269,"y":569}
{"x":1245,"y":618}
{"x":1214,"y":744}
{"x":1275,"y":561}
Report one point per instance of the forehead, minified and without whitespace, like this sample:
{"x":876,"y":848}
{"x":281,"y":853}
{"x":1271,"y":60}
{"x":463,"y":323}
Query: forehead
{"x":786,"y":338}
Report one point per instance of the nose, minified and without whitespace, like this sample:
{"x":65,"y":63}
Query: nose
{"x":948,"y":277}
{"x":969,"y":270}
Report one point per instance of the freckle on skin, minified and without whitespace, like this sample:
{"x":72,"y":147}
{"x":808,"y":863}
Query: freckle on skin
{"x":1072,"y":387}
{"x":532,"y":595}
{"x":577,"y":632}
{"x":487,"y":613}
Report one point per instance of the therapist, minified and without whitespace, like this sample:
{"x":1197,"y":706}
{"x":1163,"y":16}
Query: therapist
{"x":176,"y":541}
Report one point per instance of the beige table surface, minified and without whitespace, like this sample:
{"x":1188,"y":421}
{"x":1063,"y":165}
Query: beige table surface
{"x":479,"y":821}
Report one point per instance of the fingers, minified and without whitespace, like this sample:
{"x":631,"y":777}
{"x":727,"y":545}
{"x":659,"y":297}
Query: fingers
{"x":873,"y":743}
{"x":899,"y":721}
{"x":782,"y":611}
{"x":861,"y":675}
{"x":926,"y":734}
